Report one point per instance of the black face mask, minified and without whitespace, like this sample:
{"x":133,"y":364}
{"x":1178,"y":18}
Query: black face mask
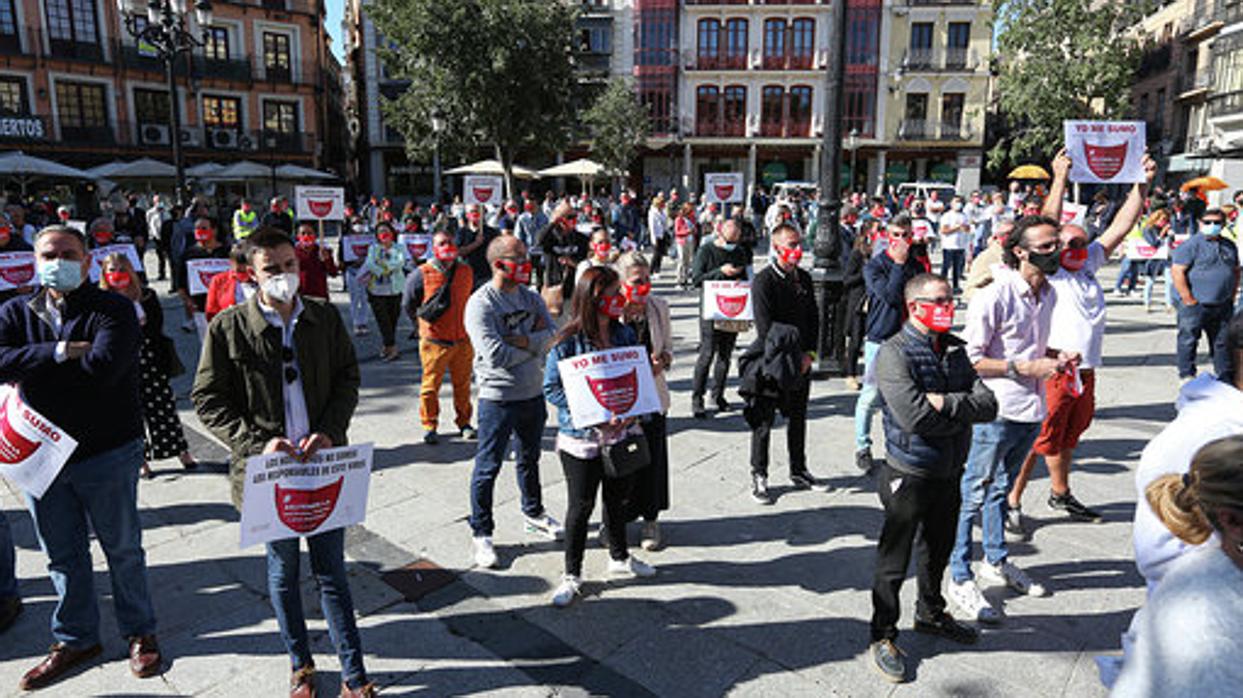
{"x":1047,"y":263}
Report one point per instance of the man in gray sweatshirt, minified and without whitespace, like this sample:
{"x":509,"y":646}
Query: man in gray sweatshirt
{"x":509,"y":326}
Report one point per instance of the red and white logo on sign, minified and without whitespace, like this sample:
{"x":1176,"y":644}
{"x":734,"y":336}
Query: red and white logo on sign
{"x":724,"y":191}
{"x":417,"y":249}
{"x":732,"y":305}
{"x":1105,"y":161}
{"x":19,"y":275}
{"x":319,"y":209}
{"x":304,"y":510}
{"x":205,"y":277}
{"x":616,"y":394}
{"x":360,"y":250}
{"x":14,"y":448}
{"x":483,"y":194}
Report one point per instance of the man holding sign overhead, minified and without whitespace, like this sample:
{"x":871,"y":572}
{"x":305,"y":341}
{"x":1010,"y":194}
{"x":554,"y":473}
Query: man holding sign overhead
{"x":278,"y":374}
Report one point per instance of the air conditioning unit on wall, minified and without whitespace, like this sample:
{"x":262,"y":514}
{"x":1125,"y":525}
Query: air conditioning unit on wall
{"x":223,"y":138}
{"x":154,"y":134}
{"x":190,"y":138}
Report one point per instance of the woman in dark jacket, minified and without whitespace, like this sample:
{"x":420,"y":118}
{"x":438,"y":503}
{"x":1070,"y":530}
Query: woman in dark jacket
{"x":856,"y":294}
{"x":164,"y":437}
{"x":1158,"y":233}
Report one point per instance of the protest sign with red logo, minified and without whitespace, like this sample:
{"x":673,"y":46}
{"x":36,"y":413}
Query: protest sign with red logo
{"x":615,"y":382}
{"x":727,"y":300}
{"x":17,"y":269}
{"x":418,"y":245}
{"x":1106,"y":152}
{"x":319,"y":203}
{"x":1138,"y":248}
{"x":32,"y":449}
{"x":354,"y":247}
{"x":286,"y":498}
{"x":921,"y":229}
{"x":483,"y":189}
{"x":723,"y":187}
{"x":200,"y":272}
{"x":1074,"y":214}
{"x":99,"y":254}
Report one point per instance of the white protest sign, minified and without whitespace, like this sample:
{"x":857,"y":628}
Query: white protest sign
{"x":199,"y":273}
{"x":921,"y":229}
{"x":100,"y":253}
{"x":418,"y":245}
{"x":1141,"y":250}
{"x":32,"y":449}
{"x":354,"y":247}
{"x":1074,"y":214}
{"x":1105,"y":152}
{"x":723,"y":187}
{"x":17,"y":269}
{"x":79,"y":226}
{"x":727,"y":300}
{"x":483,"y":189}
{"x":284,"y":498}
{"x":319,"y":203}
{"x":615,"y":382}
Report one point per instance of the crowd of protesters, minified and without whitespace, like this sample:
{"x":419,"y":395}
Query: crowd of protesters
{"x":499,"y":296}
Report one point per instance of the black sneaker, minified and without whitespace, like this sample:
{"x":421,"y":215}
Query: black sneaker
{"x":759,"y":490}
{"x":943,"y":624}
{"x":1073,"y":507}
{"x":887,"y":659}
{"x":430,"y":437}
{"x":863,"y":460}
{"x":468,"y":433}
{"x":1014,"y":523}
{"x":804,"y":480}
{"x":722,"y":405}
{"x":697,"y":408}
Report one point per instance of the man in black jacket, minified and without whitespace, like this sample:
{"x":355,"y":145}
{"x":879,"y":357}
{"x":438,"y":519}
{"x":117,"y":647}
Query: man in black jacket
{"x":931,"y":396}
{"x":782,"y":293}
{"x":721,"y":259}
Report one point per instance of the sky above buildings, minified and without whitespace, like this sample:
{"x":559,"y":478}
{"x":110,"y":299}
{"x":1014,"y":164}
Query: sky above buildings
{"x":336,"y":12}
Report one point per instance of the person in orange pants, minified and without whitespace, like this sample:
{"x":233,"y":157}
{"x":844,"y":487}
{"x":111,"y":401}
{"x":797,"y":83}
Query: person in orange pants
{"x":435,"y":298}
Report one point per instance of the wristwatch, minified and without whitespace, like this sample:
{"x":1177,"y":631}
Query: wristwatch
{"x":1012,"y":371}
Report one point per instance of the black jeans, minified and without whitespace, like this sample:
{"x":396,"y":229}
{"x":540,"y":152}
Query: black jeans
{"x":952,"y":262}
{"x":715,"y":349}
{"x":919,"y":505}
{"x":650,"y":494}
{"x":795,"y":410}
{"x":161,"y":255}
{"x":386,"y":309}
{"x":582,"y":479}
{"x":658,"y":254}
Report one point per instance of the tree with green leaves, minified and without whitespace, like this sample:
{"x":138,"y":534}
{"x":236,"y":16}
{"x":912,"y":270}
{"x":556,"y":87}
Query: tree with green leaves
{"x":499,"y":74}
{"x":618,"y":124}
{"x":1059,"y":60}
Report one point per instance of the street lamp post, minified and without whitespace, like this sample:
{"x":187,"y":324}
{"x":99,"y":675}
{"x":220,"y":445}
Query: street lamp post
{"x":438,"y":125}
{"x":852,"y":143}
{"x":163,"y":28}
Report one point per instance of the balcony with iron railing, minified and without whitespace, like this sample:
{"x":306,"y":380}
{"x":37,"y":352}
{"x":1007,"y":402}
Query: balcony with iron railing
{"x":721,"y":128}
{"x":785,"y":128}
{"x":155,"y":137}
{"x":925,"y":130}
{"x":938,"y":59}
{"x":788,"y":61}
{"x":938,"y":3}
{"x":719,"y":61}
{"x":1225,"y":104}
{"x":1195,"y":83}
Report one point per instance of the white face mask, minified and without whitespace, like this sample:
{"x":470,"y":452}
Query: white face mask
{"x":280,"y":288}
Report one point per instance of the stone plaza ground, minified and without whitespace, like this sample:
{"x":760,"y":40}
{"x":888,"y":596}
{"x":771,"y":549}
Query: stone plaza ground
{"x":748,"y":600}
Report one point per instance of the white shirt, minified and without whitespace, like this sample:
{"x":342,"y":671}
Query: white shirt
{"x":956,"y":240}
{"x":1008,"y":320}
{"x":297,"y":423}
{"x":1079,"y":314}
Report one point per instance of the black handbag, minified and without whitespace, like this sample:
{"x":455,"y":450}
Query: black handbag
{"x":626,"y":457}
{"x":172,"y":362}
{"x":434,"y":307}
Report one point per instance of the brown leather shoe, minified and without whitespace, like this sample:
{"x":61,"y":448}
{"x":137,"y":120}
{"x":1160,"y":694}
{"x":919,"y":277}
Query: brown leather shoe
{"x":60,"y":659}
{"x":144,"y":656}
{"x":302,"y":683}
{"x":367,"y":691}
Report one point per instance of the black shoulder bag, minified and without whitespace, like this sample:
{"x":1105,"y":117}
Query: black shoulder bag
{"x":434,"y":307}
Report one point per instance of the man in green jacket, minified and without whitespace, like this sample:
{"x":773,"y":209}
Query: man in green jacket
{"x":278,"y":373}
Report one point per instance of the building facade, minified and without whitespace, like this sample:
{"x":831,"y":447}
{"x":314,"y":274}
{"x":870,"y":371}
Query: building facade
{"x":76,"y":87}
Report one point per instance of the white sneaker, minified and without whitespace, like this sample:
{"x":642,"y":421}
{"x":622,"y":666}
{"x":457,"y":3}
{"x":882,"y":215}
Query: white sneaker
{"x":485,"y":554}
{"x":545,"y":525}
{"x":971,"y":602}
{"x":1010,"y":575}
{"x":631,"y":567}
{"x":569,"y":590}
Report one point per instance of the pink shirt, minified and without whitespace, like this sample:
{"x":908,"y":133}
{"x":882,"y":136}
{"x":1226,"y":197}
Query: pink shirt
{"x":1008,"y":320}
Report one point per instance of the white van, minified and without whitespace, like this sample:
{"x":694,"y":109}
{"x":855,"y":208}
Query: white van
{"x":944,"y":191}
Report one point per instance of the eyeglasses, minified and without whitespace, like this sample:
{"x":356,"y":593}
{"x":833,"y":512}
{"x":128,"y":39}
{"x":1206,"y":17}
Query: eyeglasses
{"x":943,"y":300}
{"x":291,"y":373}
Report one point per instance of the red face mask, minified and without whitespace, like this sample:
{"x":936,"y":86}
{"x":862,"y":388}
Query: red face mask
{"x":117,"y":279}
{"x":1073,"y":258}
{"x":518,"y":272}
{"x":512,"y":211}
{"x":529,"y":206}
{"x":938,"y":317}
{"x":612,"y":306}
{"x":385,"y":238}
{"x":306,"y":240}
{"x":202,"y":234}
{"x":446,"y":252}
{"x":64,"y":215}
{"x":5,"y":234}
{"x":103,"y":237}
{"x":636,"y":294}
{"x":601,"y":249}
{"x":790,"y":255}
{"x":242,"y":276}
{"x":474,"y":217}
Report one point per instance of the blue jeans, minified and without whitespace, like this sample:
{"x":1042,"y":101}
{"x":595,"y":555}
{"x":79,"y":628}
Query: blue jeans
{"x":1128,"y":273}
{"x":8,"y":561}
{"x":101,"y":490}
{"x":497,"y":422}
{"x":327,"y":553}
{"x":868,"y":402}
{"x":1212,"y":321}
{"x":997,"y":450}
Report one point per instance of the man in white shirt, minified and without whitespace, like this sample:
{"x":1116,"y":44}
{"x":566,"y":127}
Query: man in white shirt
{"x":955,"y":238}
{"x":1079,"y":326}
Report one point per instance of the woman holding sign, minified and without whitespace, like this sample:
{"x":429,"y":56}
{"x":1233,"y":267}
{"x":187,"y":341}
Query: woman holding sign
{"x":594,"y":326}
{"x":157,"y":360}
